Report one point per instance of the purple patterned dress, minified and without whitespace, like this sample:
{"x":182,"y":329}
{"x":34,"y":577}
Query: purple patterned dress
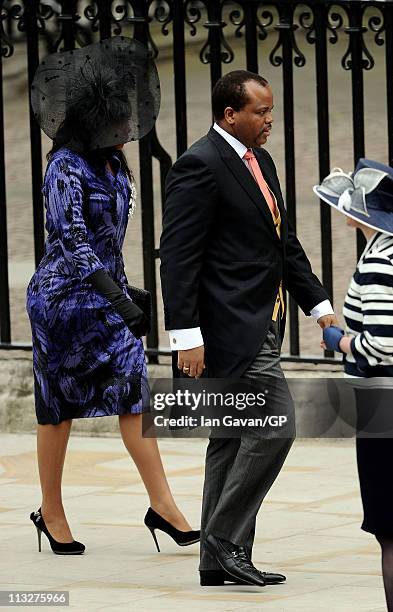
{"x":86,"y":361}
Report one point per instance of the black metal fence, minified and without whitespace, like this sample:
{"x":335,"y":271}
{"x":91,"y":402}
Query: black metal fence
{"x":70,"y":23}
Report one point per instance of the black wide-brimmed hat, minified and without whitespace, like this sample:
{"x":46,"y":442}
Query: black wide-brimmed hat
{"x":109,"y":92}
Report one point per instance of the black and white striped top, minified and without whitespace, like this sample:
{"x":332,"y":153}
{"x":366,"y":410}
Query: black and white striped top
{"x":368,"y":311}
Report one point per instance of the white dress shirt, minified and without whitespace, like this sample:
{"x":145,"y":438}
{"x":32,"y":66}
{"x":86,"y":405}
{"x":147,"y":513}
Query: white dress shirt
{"x":183,"y":339}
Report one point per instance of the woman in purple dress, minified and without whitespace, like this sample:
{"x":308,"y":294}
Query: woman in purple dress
{"x":88,"y":356}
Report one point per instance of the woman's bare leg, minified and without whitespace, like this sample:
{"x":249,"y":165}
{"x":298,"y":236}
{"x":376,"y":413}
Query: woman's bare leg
{"x":147,"y":458}
{"x":51,"y":449}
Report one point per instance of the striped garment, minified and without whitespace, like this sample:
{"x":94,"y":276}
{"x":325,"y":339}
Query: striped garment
{"x":368,"y":311}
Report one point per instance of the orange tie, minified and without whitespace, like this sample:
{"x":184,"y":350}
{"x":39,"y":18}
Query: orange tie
{"x":258,"y":176}
{"x":257,"y":173}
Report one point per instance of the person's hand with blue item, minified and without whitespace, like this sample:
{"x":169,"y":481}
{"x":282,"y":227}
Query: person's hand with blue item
{"x":331,"y":337}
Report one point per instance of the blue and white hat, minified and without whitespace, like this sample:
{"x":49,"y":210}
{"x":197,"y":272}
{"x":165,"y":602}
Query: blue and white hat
{"x":365,"y":195}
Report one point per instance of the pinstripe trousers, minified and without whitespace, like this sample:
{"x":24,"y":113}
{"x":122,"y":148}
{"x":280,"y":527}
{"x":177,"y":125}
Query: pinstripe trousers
{"x":240,"y":471}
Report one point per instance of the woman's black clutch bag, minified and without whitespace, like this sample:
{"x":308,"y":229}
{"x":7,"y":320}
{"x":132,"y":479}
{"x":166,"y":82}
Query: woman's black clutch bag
{"x":142,"y":298}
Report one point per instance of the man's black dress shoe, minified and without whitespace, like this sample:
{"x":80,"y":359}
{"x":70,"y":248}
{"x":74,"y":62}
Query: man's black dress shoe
{"x":269,"y":577}
{"x":217,"y":578}
{"x":234,"y":561}
{"x":220,"y":577}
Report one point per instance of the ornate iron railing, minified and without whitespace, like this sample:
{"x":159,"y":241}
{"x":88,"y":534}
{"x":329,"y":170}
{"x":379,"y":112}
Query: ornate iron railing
{"x":70,"y":23}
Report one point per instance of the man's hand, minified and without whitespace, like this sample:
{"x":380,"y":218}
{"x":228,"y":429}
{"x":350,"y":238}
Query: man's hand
{"x":192,"y":361}
{"x":327,"y":321}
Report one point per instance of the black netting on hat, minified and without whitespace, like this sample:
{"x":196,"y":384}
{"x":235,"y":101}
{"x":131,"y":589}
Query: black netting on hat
{"x":106,"y":93}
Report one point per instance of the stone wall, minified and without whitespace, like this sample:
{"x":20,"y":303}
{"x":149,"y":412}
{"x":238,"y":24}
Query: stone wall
{"x":17,"y":412}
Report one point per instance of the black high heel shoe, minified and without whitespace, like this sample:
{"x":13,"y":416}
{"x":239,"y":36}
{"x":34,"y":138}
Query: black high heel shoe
{"x":59,"y":548}
{"x":154,"y":521}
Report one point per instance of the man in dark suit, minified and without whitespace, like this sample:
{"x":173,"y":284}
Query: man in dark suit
{"x":228,"y":256}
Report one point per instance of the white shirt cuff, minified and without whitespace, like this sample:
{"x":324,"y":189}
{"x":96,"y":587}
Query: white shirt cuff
{"x":184,"y":339}
{"x":322,"y":309}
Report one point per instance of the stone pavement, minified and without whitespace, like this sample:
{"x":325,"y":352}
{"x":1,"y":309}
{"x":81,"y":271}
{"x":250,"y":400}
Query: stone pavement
{"x":308,"y":528}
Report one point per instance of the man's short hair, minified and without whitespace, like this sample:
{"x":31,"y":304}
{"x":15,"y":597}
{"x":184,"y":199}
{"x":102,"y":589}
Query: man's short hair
{"x":230,"y":91}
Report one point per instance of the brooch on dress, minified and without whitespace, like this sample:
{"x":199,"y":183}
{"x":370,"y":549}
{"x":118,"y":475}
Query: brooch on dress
{"x":132,"y":201}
